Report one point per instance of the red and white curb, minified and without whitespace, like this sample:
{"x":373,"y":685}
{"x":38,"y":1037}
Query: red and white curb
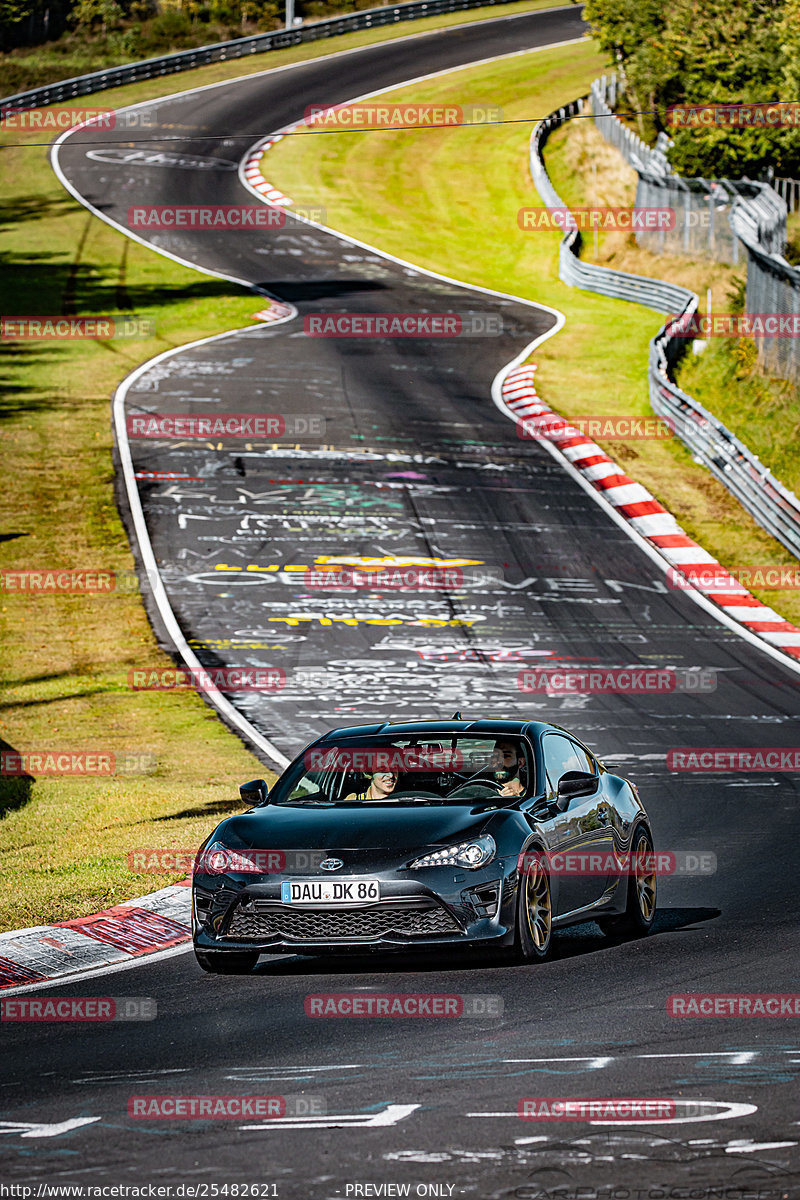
{"x":116,"y":935}
{"x":644,"y":513}
{"x":277,"y":311}
{"x":253,"y":175}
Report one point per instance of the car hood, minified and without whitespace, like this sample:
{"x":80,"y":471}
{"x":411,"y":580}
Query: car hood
{"x":380,"y":827}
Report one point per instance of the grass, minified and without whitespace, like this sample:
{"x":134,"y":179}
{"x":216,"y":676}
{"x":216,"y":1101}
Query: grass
{"x":447,"y":199}
{"x":66,"y":658}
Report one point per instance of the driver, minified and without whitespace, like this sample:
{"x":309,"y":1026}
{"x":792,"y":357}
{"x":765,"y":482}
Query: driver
{"x":381,"y":785}
{"x":508,"y":767}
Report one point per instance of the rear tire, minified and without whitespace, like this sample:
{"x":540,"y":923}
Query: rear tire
{"x":640,"y":908}
{"x":235,"y":963}
{"x":534,"y":915}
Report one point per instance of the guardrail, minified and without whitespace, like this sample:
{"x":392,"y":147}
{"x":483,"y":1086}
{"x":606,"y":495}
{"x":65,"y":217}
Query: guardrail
{"x":727,"y":458}
{"x":259,"y":43}
{"x":653,"y":293}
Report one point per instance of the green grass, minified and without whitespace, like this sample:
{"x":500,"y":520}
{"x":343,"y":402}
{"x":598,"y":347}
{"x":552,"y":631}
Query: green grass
{"x":447,"y":199}
{"x":65,"y":659}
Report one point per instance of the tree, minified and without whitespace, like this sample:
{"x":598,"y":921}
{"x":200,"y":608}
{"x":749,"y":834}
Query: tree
{"x":709,"y":52}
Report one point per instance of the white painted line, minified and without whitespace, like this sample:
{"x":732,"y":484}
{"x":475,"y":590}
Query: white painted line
{"x":737,"y":1057}
{"x":727,"y":1111}
{"x":39,"y":1129}
{"x":233,"y":716}
{"x":746,"y":1146}
{"x":594,"y":1064}
{"x":391,"y":1115}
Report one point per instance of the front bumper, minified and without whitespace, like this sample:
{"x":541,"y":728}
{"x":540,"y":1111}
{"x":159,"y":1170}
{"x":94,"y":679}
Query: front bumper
{"x":451,"y":910}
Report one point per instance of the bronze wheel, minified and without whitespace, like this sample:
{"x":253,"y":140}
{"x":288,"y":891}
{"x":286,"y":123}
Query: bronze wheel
{"x":534,"y":914}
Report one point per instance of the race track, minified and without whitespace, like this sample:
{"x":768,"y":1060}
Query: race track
{"x":416,"y":460}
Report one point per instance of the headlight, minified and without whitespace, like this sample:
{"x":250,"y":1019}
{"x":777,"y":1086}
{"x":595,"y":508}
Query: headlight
{"x":217,"y":859}
{"x":477,"y":852}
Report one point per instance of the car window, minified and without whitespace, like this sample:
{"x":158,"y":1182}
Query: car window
{"x":561,"y":754}
{"x":447,"y":768}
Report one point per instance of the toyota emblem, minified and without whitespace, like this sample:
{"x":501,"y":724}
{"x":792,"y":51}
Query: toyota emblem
{"x":331,"y":864}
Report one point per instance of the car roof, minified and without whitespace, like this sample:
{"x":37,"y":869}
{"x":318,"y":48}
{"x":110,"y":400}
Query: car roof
{"x":486,"y":726}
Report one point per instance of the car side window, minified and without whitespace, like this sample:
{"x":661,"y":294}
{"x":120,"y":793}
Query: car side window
{"x":561,"y":754}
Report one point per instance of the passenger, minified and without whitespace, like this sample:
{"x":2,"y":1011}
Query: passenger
{"x":382,"y":784}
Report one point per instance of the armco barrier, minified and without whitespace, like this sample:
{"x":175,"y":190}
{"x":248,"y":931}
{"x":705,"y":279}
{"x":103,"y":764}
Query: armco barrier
{"x":259,"y":43}
{"x":729,"y":460}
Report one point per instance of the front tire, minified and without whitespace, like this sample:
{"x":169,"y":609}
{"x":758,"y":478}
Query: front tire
{"x":239,"y":963}
{"x":534,"y":915}
{"x":640,"y":908}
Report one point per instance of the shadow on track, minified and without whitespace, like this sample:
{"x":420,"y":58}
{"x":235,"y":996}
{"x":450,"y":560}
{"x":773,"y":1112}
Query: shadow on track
{"x":569,"y":943}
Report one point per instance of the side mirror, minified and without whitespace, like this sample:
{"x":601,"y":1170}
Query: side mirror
{"x":575,"y":783}
{"x":254,"y":792}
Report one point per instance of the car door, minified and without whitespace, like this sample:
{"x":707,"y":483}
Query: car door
{"x":583,"y":828}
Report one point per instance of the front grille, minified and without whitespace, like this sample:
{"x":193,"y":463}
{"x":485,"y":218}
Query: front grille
{"x":349,"y":925}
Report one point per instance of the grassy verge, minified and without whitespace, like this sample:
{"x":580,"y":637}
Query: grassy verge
{"x":448,"y":200}
{"x":65,"y":659}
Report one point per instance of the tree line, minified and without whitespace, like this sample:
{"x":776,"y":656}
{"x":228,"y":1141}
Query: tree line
{"x":706,"y":52}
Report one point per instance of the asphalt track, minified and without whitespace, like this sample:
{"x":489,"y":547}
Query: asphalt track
{"x":417,"y":461}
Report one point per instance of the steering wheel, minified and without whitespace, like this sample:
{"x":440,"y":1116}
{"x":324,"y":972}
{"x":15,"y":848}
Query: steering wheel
{"x":489,"y":783}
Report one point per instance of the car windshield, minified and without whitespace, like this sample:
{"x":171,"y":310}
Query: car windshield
{"x":433,"y":769}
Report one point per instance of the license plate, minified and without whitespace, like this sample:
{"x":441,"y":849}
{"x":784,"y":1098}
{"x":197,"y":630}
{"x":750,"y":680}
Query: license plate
{"x":331,"y":891}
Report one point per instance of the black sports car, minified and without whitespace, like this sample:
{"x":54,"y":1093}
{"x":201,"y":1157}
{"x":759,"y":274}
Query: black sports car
{"x":426,"y":834}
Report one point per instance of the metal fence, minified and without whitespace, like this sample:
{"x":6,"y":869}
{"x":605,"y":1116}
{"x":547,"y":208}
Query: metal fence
{"x":653,"y":293}
{"x":259,"y":43}
{"x":702,"y":207}
{"x":773,"y":286}
{"x":788,"y":190}
{"x":727,"y":458}
{"x":603,"y":98}
{"x":717,"y":218}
